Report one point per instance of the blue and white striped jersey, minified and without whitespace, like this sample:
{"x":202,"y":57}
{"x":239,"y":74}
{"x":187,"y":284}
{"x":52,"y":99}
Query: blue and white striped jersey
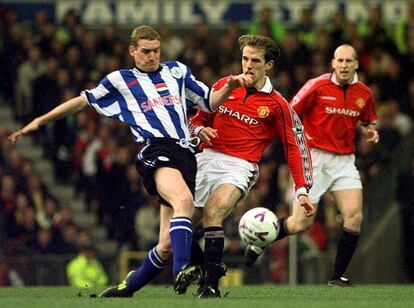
{"x":152,"y":104}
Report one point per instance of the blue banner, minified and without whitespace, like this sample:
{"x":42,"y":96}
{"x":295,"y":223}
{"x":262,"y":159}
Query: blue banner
{"x":216,"y":12}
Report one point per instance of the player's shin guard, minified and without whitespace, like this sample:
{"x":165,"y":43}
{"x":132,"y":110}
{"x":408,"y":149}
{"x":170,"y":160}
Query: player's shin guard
{"x":150,"y":268}
{"x":213,"y":253}
{"x":346,"y":248}
{"x":181,"y":238}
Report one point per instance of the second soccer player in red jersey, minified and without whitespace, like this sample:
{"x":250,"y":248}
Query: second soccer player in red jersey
{"x":235,"y":137}
{"x":332,"y":106}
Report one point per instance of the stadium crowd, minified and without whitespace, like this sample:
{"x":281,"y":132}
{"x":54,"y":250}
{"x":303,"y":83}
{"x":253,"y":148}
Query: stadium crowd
{"x":44,"y":63}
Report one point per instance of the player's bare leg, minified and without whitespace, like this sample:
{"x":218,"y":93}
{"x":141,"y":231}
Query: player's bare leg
{"x":217,"y":208}
{"x":180,"y":198}
{"x":349,"y":203}
{"x":297,"y":222}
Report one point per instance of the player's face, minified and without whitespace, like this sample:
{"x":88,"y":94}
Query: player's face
{"x":146,"y":54}
{"x":344,"y":63}
{"x":254,"y":64}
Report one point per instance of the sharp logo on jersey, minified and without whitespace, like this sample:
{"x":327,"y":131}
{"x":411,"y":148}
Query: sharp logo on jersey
{"x":238,"y":115}
{"x":167,"y":100}
{"x":360,"y":102}
{"x":329,"y":98}
{"x":347,"y":112}
{"x":263,"y":111}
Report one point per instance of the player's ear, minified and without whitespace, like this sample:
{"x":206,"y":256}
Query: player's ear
{"x":356,"y":64}
{"x":333,"y":63}
{"x":269,"y":65}
{"x":131,"y":50}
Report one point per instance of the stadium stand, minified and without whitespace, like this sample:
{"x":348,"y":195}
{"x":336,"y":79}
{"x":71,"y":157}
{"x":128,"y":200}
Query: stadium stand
{"x":55,"y":185}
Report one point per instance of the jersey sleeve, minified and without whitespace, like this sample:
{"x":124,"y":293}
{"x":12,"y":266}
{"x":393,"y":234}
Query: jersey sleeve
{"x":104,"y":98}
{"x":199,"y":121}
{"x":369,"y":116}
{"x":304,"y":99}
{"x":294,"y":145}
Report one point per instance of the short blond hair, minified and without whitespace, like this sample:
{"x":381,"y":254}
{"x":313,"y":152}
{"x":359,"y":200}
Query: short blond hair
{"x":144,"y":33}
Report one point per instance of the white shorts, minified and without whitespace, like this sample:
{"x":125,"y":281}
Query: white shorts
{"x":215,"y":168}
{"x":332,"y":172}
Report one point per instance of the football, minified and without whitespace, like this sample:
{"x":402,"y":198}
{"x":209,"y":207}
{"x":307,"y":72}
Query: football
{"x":259,"y":227}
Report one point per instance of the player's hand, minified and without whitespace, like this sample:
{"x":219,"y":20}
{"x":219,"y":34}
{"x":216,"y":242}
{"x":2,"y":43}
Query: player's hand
{"x":208,"y":133}
{"x":242,"y":80}
{"x":19,"y":134}
{"x":372,"y":136}
{"x":307,"y":205}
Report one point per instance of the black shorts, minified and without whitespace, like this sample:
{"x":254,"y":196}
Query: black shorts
{"x":165,"y":152}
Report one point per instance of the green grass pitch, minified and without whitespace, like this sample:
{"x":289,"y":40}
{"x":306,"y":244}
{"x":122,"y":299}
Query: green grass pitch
{"x":247,"y":296}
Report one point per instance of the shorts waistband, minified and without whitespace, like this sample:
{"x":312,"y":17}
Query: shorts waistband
{"x":190,"y":143}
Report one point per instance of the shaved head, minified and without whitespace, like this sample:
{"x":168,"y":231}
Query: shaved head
{"x":343,"y":47}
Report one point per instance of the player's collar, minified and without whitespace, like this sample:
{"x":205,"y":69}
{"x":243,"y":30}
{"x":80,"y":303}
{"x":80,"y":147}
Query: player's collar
{"x":335,"y":80}
{"x":268,"y":87}
{"x":144,"y":72}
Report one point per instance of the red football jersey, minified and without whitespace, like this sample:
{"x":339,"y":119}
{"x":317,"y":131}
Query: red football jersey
{"x":330,"y":113}
{"x":247,"y":123}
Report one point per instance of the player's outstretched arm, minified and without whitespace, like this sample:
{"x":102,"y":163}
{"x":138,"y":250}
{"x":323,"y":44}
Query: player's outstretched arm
{"x":218,"y":97}
{"x":65,"y":109}
{"x":307,"y":205}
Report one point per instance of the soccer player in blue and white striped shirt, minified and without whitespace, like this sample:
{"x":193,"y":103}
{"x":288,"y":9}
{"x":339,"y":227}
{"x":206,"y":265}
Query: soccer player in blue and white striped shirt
{"x":153,"y":98}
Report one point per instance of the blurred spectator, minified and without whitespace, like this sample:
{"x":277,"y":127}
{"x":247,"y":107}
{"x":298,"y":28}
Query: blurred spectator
{"x":267,"y":24}
{"x":374,"y":25}
{"x":172,"y":45}
{"x":107,"y":39}
{"x":12,"y":54}
{"x":68,"y":239}
{"x":407,"y":103}
{"x":8,"y":276}
{"x":38,"y":194}
{"x":26,"y":230}
{"x":404,"y":29}
{"x":85,"y":270}
{"x":28,"y":71}
{"x":293,"y":53}
{"x":306,"y":28}
{"x":337,"y":28}
{"x":146,"y":224}
{"x":44,"y":243}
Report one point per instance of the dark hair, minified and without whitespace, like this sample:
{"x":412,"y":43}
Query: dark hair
{"x":144,"y":33}
{"x":272,"y":51}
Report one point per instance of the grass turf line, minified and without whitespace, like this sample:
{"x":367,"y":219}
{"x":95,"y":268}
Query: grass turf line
{"x":309,"y":296}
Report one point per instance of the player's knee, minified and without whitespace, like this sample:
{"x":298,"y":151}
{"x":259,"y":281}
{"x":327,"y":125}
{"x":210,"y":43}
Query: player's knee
{"x":355,"y":219}
{"x":183,"y":205}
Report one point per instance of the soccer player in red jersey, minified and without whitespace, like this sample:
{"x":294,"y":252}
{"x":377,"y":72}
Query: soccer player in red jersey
{"x":331,"y":107}
{"x":235,"y":137}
